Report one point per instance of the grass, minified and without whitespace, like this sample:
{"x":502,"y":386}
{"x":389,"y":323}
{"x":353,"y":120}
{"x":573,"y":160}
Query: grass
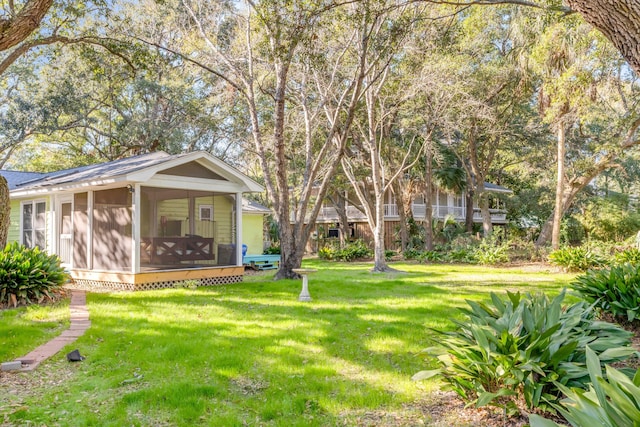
{"x":251,"y":354}
{"x":23,"y":329}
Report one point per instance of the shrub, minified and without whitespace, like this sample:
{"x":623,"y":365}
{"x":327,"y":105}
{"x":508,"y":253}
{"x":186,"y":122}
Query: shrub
{"x":613,"y":400}
{"x":28,"y":276}
{"x":327,"y":253}
{"x":576,"y":259}
{"x":491,"y":252}
{"x":615,"y":290}
{"x":609,"y":219}
{"x":524,"y":250}
{"x":389,"y":254}
{"x":630,"y":255}
{"x":523,"y":347}
{"x":354,"y":250}
{"x":411,"y":253}
{"x":430,"y":256}
{"x":272,"y":250}
{"x":467,"y":255}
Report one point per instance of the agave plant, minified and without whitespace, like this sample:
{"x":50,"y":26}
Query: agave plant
{"x":613,"y":400}
{"x":524,"y":347}
{"x":615,"y":290}
{"x":28,"y":275}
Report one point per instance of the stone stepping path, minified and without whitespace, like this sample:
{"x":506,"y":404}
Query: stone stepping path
{"x":79,"y":324}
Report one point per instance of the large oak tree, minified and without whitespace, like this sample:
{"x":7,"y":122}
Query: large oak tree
{"x":16,"y":25}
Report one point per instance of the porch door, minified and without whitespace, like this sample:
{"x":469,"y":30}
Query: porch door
{"x":65,"y":235}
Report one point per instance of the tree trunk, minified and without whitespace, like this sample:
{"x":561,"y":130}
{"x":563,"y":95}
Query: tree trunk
{"x":340,"y":204}
{"x":5,"y":212}
{"x":288,"y":244}
{"x":569,"y":196}
{"x":558,"y":211}
{"x":379,"y":260}
{"x":483,"y":202}
{"x":618,"y":21}
{"x":404,"y":213}
{"x":428,"y":200}
{"x":468,"y":216}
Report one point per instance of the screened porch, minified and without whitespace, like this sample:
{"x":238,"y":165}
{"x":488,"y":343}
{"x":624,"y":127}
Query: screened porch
{"x":186,"y":229}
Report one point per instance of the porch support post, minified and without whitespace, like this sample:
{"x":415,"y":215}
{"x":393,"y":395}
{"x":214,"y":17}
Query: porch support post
{"x":192,"y":214}
{"x":53,"y":231}
{"x":239,"y":229}
{"x":90,"y":230}
{"x":135,"y":229}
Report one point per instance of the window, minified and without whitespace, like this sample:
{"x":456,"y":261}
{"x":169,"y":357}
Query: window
{"x":34,"y":224}
{"x":206,"y":212}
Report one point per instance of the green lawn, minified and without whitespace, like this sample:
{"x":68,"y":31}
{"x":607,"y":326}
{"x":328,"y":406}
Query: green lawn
{"x":251,"y":354}
{"x":23,"y":329}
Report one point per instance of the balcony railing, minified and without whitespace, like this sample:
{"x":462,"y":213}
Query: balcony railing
{"x":329,"y":214}
{"x":391,"y":211}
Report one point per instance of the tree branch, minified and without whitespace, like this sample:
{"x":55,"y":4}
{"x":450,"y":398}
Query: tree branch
{"x":17,"y":27}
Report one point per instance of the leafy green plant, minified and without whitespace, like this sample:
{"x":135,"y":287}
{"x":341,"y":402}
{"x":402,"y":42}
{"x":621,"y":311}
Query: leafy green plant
{"x":272,"y":250}
{"x":327,"y":252}
{"x":629,"y":255}
{"x":28,"y":276}
{"x":523,"y":347}
{"x":447,"y":229}
{"x":576,"y":259}
{"x":352,"y":251}
{"x":609,"y":218}
{"x":466,"y":255}
{"x":411,"y":253}
{"x":613,"y":400}
{"x":615,"y":290}
{"x":355,"y":250}
{"x":389,"y":254}
{"x":430,"y":256}
{"x":491,"y":252}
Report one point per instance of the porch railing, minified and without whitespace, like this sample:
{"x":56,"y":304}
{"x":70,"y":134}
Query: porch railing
{"x":329,"y":214}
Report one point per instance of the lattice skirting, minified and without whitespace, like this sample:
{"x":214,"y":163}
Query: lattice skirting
{"x":118,"y":286}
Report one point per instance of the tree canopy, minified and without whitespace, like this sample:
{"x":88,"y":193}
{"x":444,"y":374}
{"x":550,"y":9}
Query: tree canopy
{"x":306,"y":94}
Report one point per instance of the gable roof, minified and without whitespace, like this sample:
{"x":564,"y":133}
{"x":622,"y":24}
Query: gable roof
{"x":15,"y":178}
{"x":249,"y":206}
{"x":139,"y":168}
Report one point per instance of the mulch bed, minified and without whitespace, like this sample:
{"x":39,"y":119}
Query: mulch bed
{"x":55,"y":295}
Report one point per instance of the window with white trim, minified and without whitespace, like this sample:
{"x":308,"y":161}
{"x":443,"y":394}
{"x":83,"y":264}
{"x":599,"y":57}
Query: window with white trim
{"x":206,"y":212}
{"x":34,"y":224}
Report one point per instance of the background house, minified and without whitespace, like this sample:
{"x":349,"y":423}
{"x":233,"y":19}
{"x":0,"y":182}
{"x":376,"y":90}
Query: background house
{"x":445,"y":204}
{"x":138,"y":223}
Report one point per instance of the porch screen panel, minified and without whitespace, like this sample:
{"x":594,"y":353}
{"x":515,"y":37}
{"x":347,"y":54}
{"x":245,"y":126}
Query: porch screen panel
{"x":80,"y":229}
{"x":112,"y":231}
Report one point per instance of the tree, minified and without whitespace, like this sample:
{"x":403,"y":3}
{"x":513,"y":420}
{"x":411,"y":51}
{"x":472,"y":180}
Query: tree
{"x":293,"y":66}
{"x":585,"y":96}
{"x":493,"y":92}
{"x":616,"y":19}
{"x":15,"y":27}
{"x":381,"y":144}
